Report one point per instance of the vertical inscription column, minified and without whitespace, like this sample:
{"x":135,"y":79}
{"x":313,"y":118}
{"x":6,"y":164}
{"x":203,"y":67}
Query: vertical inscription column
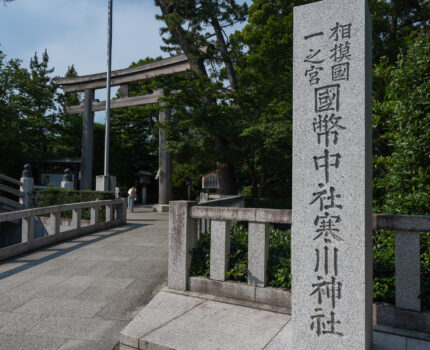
{"x":87,"y":141}
{"x":332,"y":193}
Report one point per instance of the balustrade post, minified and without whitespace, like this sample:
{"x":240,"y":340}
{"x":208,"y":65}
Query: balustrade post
{"x":109,"y":213}
{"x":182,"y":238}
{"x":54,"y":223}
{"x":94,"y":215}
{"x":27,"y":185}
{"x":408,"y":272}
{"x":258,"y":253}
{"x":76,"y":218}
{"x":122,"y":211}
{"x":220,"y":249}
{"x":27,"y":229}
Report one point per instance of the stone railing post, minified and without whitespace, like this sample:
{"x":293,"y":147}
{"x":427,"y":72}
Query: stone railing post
{"x":182,"y":238}
{"x":27,"y":230}
{"x":220,"y":249}
{"x":76,"y":218}
{"x":408,"y":270}
{"x":94,"y":215}
{"x":109,"y":213}
{"x":67,"y":182}
{"x":258,"y":253}
{"x":54,"y":223}
{"x":27,"y":185}
{"x":121,"y":211}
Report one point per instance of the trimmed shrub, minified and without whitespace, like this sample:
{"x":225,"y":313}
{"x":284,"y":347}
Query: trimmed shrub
{"x":57,"y":196}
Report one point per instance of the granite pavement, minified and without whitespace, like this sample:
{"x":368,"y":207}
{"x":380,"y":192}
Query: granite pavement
{"x":80,"y":293}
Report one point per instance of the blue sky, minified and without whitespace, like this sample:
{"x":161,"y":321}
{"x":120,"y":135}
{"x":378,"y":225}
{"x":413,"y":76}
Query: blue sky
{"x":75,"y":32}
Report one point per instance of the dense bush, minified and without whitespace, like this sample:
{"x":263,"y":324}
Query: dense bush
{"x":279,"y":265}
{"x":57,"y":196}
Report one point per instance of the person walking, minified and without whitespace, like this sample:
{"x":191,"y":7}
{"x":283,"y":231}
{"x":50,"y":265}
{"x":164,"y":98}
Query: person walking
{"x":131,"y":198}
{"x":117,"y":191}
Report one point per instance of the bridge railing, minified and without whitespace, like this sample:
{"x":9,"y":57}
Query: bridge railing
{"x":9,"y":189}
{"x":116,"y":214}
{"x":204,"y":225}
{"x":183,"y":236}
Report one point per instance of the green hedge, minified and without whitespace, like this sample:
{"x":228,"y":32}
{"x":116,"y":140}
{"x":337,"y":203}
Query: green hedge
{"x":57,"y":196}
{"x":279,"y":264}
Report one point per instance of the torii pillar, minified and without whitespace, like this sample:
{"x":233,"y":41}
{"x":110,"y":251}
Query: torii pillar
{"x":87,"y":142}
{"x":165,"y":165}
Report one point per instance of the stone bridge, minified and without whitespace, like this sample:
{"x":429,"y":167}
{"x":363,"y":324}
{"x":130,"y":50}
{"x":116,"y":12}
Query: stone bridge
{"x":81,"y":292}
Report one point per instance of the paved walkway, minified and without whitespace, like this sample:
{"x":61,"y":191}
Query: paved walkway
{"x":79,"y":294}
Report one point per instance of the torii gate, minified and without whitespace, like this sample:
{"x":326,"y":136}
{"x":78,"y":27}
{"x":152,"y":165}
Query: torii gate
{"x":122,"y":77}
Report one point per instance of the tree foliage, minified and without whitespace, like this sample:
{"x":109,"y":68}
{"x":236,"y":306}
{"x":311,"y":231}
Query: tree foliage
{"x":403,"y":180}
{"x":234,"y":112}
{"x":134,"y":134}
{"x":29,"y":122}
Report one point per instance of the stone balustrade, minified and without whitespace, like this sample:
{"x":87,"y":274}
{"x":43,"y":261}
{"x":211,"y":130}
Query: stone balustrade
{"x":18,"y":193}
{"x":204,"y":225}
{"x":116,"y":214}
{"x":183,"y":236}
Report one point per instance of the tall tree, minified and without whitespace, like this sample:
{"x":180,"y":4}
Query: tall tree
{"x":403,"y":178}
{"x":191,"y":25}
{"x":69,"y":140}
{"x":12,"y":129}
{"x":39,"y":97}
{"x":393,"y":22}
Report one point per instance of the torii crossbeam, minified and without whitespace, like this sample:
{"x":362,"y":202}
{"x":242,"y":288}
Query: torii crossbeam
{"x":122,"y":77}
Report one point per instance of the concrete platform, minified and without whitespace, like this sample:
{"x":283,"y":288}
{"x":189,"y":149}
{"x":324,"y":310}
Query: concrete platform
{"x":191,"y":321}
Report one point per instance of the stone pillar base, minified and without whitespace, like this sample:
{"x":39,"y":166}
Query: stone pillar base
{"x":68,"y":185}
{"x":160,"y":208}
{"x":105,"y":183}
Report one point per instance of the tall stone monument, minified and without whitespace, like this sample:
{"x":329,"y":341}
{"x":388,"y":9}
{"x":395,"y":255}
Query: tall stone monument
{"x":332,"y":166}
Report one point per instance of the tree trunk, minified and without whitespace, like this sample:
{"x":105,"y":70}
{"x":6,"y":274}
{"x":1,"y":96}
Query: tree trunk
{"x":226,"y":178}
{"x":253,"y":175}
{"x":224,"y":52}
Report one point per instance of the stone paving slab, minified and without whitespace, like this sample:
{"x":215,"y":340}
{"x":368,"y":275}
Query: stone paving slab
{"x":87,"y":345}
{"x":24,"y":342}
{"x":61,"y":307}
{"x":93,"y":281}
{"x":173,"y":321}
{"x":147,"y":271}
{"x":79,"y":294}
{"x":100,"y":293}
{"x":130,"y":302}
{"x":17,"y":323}
{"x":37,"y":286}
{"x":78,"y":328}
{"x":163,"y":308}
